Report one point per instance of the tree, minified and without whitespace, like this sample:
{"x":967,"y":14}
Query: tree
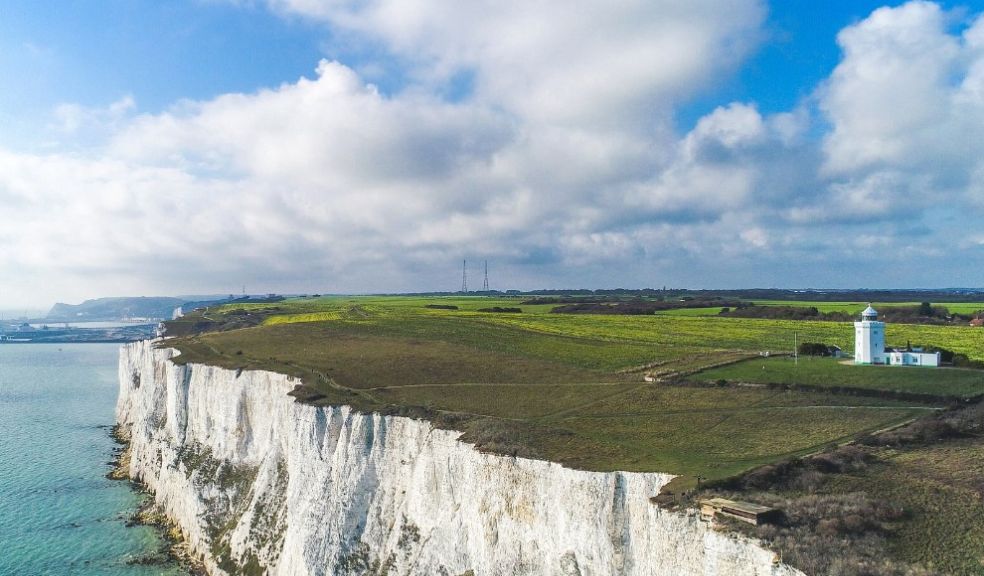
{"x":813,"y":349}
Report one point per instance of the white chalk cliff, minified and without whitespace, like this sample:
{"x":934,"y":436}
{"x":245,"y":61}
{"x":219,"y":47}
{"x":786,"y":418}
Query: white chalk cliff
{"x":259,"y":483}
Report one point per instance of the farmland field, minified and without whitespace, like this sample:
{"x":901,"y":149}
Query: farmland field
{"x":564,"y":387}
{"x":851,"y":308}
{"x":857,"y":307}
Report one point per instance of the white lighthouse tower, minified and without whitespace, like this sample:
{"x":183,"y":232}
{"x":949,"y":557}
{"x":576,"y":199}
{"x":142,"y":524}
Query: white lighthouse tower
{"x":869,"y":338}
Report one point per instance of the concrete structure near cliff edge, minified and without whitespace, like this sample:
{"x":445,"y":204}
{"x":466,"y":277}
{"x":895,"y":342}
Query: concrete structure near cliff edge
{"x":869,"y":345}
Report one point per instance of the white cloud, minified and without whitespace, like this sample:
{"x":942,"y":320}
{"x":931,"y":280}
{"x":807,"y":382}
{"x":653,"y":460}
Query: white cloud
{"x":560,"y":165}
{"x":756,"y":237}
{"x":906,"y":97}
{"x":582,"y":63}
{"x":732,"y":126}
{"x":73,"y":117}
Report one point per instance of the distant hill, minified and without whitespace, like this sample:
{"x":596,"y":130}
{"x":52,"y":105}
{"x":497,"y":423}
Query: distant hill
{"x":108,"y":309}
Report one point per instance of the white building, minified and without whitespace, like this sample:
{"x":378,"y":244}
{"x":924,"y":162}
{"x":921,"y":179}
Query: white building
{"x":869,"y":345}
{"x":869,"y":338}
{"x":914,"y":357}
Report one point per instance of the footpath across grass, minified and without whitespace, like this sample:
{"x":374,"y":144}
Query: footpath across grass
{"x":833,"y":373}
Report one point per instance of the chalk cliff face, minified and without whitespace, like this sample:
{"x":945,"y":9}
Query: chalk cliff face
{"x":261,"y":484}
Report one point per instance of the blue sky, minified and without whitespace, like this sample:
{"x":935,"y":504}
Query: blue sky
{"x":798,"y":51}
{"x":308,"y":145}
{"x":92,"y":53}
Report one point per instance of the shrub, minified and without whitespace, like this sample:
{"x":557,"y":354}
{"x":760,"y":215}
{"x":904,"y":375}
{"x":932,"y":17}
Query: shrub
{"x":813,"y":349}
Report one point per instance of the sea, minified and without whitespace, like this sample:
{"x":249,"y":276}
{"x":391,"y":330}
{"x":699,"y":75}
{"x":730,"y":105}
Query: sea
{"x":59,"y":514}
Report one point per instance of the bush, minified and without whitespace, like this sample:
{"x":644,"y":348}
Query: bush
{"x":813,"y":349}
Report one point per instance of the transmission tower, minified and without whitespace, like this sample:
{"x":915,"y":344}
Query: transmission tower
{"x":485,"y":285}
{"x":464,"y":275}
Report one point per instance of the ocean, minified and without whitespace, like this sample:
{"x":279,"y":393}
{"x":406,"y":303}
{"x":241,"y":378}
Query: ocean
{"x":59,"y":514}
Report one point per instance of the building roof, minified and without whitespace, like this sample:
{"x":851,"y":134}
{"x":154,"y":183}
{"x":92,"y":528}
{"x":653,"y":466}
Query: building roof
{"x":746,"y":507}
{"x":869,"y":311}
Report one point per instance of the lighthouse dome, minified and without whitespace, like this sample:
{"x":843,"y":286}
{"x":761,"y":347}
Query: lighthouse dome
{"x":869,"y":313}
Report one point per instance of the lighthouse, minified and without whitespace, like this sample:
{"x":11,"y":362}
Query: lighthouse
{"x":869,"y":338}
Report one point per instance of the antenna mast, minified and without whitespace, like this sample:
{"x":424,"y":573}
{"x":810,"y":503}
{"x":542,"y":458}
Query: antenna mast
{"x":485,"y":286}
{"x":464,"y":275}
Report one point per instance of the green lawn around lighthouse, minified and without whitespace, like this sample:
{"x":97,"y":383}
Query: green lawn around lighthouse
{"x":833,"y":373}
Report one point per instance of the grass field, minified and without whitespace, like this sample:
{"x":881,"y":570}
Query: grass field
{"x":569,"y":388}
{"x":856,"y":307}
{"x":940,"y":487}
{"x":852,"y":308}
{"x":829,"y":372}
{"x":562,"y":387}
{"x":912,"y":509}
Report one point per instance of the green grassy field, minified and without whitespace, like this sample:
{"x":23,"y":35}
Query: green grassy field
{"x":567,"y":388}
{"x":940,"y":487}
{"x":852,"y":308}
{"x":856,"y":307}
{"x":913,"y":508}
{"x":829,"y":372}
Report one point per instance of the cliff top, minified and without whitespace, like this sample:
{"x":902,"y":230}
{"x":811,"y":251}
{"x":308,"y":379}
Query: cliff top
{"x":565,"y":387}
{"x":652,"y":393}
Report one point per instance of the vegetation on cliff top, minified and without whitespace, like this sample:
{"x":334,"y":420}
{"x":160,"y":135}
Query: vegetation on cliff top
{"x":567,"y":388}
{"x":570,"y":388}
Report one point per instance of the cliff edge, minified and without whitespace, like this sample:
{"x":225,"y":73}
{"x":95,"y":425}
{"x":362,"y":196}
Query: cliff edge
{"x":261,"y":484}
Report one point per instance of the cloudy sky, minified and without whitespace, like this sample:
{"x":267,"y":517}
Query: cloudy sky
{"x":196,"y":146}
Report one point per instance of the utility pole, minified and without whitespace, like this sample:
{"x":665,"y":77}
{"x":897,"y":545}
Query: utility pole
{"x":796,"y":352}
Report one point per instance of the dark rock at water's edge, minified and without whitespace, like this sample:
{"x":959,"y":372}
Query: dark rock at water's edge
{"x":175,"y":550}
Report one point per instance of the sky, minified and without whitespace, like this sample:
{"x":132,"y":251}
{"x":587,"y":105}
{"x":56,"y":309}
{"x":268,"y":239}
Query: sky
{"x":343,"y":146}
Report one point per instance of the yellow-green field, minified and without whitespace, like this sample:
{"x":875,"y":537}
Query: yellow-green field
{"x":852,"y":308}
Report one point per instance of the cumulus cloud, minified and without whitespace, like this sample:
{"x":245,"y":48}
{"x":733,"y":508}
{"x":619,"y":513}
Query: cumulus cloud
{"x":582,"y":63}
{"x":906,"y":109}
{"x":559,"y":163}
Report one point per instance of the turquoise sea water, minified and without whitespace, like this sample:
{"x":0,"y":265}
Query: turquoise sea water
{"x":59,"y":514}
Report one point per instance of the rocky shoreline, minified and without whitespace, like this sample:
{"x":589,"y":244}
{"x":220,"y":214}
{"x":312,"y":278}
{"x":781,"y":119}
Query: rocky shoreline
{"x":149,"y":514}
